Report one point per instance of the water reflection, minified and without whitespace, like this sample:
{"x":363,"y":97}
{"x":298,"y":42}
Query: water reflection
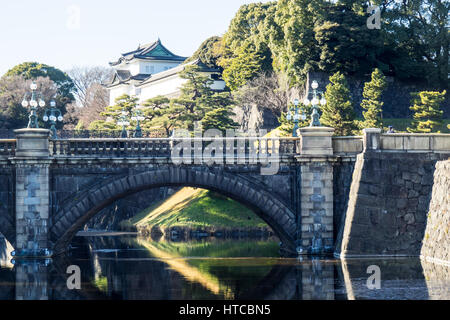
{"x":134,"y":268}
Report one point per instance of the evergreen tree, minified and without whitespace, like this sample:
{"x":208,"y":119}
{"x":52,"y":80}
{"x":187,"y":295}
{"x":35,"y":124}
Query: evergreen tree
{"x":338,"y":112}
{"x":196,"y":100}
{"x":156,"y":114}
{"x":245,"y":66}
{"x":124,"y":104}
{"x":219,"y":119}
{"x":208,"y":53}
{"x":343,"y":41}
{"x":248,"y":32}
{"x":103,"y":125}
{"x":427,"y":114}
{"x":372,"y":103}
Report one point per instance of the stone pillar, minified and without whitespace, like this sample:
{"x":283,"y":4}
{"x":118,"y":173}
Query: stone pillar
{"x":316,"y":160}
{"x":32,"y":192}
{"x":32,"y":280}
{"x":316,"y":141}
{"x":317,"y":280}
{"x":371,"y":139}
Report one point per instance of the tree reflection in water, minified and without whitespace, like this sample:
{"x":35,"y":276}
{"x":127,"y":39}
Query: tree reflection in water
{"x":132,"y":268}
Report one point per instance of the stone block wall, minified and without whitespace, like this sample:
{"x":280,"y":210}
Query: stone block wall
{"x":342,"y":174}
{"x":7,"y":204}
{"x":317,"y":207}
{"x":436,"y":243}
{"x":317,"y":280}
{"x":32,"y":206}
{"x":437,"y":278}
{"x":388,"y":204}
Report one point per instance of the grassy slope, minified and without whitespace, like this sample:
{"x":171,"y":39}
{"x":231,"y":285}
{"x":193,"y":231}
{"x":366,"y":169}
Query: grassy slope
{"x":191,"y":207}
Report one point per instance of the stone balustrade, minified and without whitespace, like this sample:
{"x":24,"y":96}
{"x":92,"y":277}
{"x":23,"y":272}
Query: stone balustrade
{"x":7,"y":147}
{"x":347,"y":145}
{"x":415,"y":142}
{"x":162,"y":147}
{"x":154,"y":147}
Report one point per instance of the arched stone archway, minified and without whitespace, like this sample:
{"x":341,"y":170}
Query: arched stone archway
{"x":74,"y":215}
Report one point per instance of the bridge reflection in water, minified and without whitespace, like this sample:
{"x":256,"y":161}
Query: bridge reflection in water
{"x":131,"y":268}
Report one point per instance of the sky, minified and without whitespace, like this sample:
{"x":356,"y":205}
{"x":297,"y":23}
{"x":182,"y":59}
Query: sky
{"x":68,"y":33}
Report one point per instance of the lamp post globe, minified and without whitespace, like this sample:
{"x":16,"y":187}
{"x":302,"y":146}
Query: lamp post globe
{"x":33,"y":100}
{"x":53,"y":115}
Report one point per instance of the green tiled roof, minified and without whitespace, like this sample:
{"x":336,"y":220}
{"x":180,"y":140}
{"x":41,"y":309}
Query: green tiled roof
{"x":151,"y":51}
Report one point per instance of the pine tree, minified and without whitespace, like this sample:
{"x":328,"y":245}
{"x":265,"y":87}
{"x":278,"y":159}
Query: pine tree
{"x":427,"y":114}
{"x":155,"y":111}
{"x":124,"y":103}
{"x":219,"y":119}
{"x":338,"y":112}
{"x":196,"y":100}
{"x":244,"y":66}
{"x":372,"y":103}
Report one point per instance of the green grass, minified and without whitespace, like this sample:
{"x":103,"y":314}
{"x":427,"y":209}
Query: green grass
{"x":400,"y":124}
{"x":220,"y":248}
{"x":198,"y":208}
{"x":101,"y":283}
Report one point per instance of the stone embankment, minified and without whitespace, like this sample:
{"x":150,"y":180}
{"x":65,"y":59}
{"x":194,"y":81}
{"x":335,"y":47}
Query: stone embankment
{"x":187,"y":233}
{"x":436,"y":242}
{"x":389,"y":203}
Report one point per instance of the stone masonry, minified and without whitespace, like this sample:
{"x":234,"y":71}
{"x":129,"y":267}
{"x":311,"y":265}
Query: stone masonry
{"x":32,"y":206}
{"x":436,"y":243}
{"x":317,"y":207}
{"x":59,"y":185}
{"x":388,"y":205}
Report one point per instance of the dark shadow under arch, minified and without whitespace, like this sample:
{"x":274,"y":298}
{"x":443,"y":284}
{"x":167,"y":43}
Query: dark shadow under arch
{"x":75,"y":214}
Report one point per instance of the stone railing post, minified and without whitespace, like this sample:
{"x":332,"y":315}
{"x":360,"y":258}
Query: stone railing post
{"x":371,"y":139}
{"x":315,"y":223}
{"x":32,"y":192}
{"x":316,"y":141}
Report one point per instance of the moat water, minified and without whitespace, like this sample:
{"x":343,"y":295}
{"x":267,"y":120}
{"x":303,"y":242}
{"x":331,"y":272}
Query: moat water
{"x":128,"y":267}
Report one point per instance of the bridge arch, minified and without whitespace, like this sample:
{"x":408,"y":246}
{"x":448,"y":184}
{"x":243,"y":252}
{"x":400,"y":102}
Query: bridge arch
{"x":75,"y":214}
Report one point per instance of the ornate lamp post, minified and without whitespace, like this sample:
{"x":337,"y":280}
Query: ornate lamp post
{"x":33,"y":103}
{"x":124,"y":122}
{"x":295,"y":117}
{"x":315,"y":117}
{"x":53,"y":115}
{"x":138,"y":117}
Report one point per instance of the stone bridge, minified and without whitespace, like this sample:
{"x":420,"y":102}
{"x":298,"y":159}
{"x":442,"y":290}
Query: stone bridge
{"x":49,"y":189}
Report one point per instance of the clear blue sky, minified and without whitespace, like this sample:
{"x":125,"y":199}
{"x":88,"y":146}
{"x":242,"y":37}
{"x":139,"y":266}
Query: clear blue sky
{"x":50,"y":31}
